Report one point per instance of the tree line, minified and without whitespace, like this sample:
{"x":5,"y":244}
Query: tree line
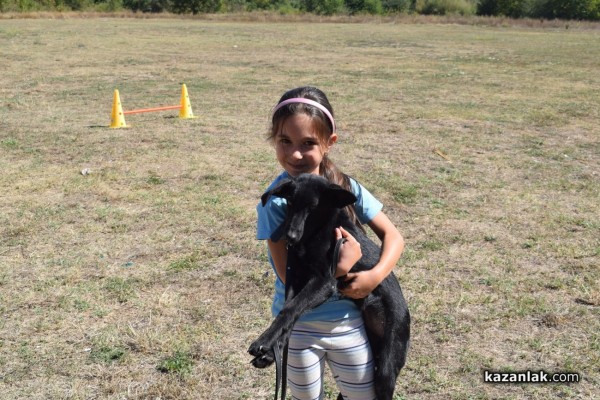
{"x":546,"y":9}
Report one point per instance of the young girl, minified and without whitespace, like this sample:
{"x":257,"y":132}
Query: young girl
{"x":303,"y":132}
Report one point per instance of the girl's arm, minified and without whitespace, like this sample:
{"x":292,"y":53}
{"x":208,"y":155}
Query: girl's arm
{"x":278,"y":252}
{"x":392,"y":245}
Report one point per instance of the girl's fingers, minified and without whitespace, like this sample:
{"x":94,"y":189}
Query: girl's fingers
{"x":345,"y":234}
{"x":338,"y":233}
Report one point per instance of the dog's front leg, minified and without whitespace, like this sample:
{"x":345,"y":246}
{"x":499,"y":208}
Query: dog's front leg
{"x":316,"y":291}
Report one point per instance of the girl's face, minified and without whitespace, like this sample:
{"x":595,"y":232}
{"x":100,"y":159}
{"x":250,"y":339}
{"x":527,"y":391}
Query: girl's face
{"x":298,"y":146}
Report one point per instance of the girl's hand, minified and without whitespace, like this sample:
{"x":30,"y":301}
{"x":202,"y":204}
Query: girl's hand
{"x":357,"y":285}
{"x":350,"y":252}
{"x":360,"y":284}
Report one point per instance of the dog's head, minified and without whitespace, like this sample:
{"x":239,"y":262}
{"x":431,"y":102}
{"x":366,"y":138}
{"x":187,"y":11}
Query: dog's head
{"x":309,"y":198}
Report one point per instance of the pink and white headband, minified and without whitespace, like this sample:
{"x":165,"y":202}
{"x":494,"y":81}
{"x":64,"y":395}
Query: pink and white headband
{"x":309,"y":102}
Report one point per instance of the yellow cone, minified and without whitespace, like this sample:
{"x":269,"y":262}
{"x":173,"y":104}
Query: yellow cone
{"x":186,"y":107}
{"x":117,"y":118}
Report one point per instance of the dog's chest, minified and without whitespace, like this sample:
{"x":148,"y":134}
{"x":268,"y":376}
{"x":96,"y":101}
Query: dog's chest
{"x":312,"y":257}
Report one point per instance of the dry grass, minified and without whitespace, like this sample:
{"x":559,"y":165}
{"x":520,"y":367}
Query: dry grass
{"x":142,"y":280}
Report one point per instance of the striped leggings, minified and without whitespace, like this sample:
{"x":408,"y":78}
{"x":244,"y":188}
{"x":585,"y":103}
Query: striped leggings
{"x":344,"y":346}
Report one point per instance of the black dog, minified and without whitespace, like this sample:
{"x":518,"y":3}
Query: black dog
{"x":314,"y":210}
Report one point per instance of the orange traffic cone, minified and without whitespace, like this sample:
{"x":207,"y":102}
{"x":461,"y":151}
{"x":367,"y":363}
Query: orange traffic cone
{"x":117,"y":118}
{"x":186,"y":107}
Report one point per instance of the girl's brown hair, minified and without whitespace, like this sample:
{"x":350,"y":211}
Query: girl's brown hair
{"x":323,"y":127}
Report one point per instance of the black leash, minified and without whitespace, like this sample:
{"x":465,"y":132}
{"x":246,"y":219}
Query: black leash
{"x":281,"y":359}
{"x":278,"y":367}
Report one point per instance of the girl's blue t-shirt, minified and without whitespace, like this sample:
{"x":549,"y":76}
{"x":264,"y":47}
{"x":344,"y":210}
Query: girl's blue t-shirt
{"x":270,"y":222}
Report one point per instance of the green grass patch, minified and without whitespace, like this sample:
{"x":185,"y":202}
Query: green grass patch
{"x":179,"y":363}
{"x":108,"y":354}
{"x":122,"y":289}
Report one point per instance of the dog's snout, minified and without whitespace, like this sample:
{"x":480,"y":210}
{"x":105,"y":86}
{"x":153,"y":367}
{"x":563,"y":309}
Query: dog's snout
{"x":293,"y":236}
{"x":295,"y":230}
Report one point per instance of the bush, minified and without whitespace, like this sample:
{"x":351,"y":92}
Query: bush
{"x":396,"y":5}
{"x":32,"y":5}
{"x":154,"y":6}
{"x":195,"y":6}
{"x":549,"y":9}
{"x":77,"y":5}
{"x":445,"y":7}
{"x":108,"y":5}
{"x":507,"y":8}
{"x":487,"y":7}
{"x":594,"y":13}
{"x":264,"y":4}
{"x":323,"y":7}
{"x":566,"y":9}
{"x":364,"y":6}
{"x":233,"y":5}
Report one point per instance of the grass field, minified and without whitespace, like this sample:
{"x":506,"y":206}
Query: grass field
{"x":143,"y":280}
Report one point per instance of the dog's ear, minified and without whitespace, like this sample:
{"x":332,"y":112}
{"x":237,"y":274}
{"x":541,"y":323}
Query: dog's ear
{"x":340,"y":196}
{"x":284,"y":189}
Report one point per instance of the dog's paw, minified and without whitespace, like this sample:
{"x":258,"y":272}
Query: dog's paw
{"x":263,"y":356}
{"x":263,"y":361}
